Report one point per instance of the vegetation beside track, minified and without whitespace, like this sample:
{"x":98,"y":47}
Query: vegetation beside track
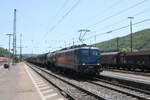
{"x":4,"y":52}
{"x":141,"y":41}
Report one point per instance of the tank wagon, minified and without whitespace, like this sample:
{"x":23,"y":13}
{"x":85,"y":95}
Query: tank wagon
{"x":38,"y":60}
{"x":82,"y":60}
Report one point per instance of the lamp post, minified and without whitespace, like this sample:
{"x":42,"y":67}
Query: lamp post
{"x":9,"y":46}
{"x":130,"y":18}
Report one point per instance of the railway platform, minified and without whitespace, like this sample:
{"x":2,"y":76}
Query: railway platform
{"x":1,"y":67}
{"x":19,"y":82}
{"x":128,"y":76}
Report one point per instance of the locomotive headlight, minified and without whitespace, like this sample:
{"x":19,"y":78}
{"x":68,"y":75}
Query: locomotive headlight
{"x":98,"y":63}
{"x":83,"y":64}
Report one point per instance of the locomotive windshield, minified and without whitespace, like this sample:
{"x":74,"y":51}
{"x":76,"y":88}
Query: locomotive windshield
{"x":94,"y":53}
{"x":88,"y":52}
{"x":84,"y":52}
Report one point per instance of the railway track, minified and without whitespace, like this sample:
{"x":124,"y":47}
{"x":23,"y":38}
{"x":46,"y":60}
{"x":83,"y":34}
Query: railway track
{"x":126,"y":83}
{"x":130,"y":91}
{"x":124,"y":89}
{"x":93,"y":89}
{"x":130,"y":72}
{"x":70,"y":90}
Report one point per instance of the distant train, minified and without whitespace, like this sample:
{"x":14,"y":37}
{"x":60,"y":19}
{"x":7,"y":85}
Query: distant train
{"x":139,"y":60}
{"x":3,"y":61}
{"x":80,"y":59}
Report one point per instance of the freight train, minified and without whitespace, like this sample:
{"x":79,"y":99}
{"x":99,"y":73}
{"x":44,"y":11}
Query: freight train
{"x":79,"y":59}
{"x":139,"y":60}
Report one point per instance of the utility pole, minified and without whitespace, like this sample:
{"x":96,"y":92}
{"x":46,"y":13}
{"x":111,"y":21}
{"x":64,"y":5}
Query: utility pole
{"x":117,"y":43}
{"x":130,"y":18}
{"x":14,"y":38}
{"x":82,"y":34}
{"x":9,"y":46}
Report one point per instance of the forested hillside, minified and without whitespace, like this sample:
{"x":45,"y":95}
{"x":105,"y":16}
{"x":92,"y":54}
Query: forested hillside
{"x":4,"y":52}
{"x":141,"y":41}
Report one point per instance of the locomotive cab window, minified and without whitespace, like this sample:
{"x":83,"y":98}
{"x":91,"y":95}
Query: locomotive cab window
{"x":84,"y":52}
{"x":94,"y":53}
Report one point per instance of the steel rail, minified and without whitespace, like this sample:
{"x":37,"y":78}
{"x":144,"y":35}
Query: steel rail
{"x":79,"y":88}
{"x":118,"y":90}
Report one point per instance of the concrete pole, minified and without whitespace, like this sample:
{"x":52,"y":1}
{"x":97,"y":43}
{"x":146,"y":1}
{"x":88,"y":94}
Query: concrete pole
{"x":131,"y":43}
{"x":9,"y":46}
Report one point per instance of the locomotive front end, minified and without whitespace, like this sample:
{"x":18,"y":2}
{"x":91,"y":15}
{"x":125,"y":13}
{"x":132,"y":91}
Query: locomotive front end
{"x":89,"y":59}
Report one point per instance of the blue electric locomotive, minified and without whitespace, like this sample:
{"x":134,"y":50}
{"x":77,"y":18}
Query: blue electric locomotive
{"x":81,"y":60}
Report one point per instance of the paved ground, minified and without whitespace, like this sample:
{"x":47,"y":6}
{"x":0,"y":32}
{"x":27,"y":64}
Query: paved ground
{"x":46,"y":90}
{"x":22,"y":83}
{"x":143,"y":79}
{"x":1,"y":66}
{"x":15,"y":84}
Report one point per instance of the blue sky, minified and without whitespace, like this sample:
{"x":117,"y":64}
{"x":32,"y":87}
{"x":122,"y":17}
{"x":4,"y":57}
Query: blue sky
{"x":36,"y":18}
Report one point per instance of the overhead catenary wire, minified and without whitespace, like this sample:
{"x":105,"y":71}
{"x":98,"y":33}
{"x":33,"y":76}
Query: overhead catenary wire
{"x":107,"y":9}
{"x":59,"y":21}
{"x":113,"y":5}
{"x":64,"y":16}
{"x":135,"y":15}
{"x":117,"y":29}
{"x":61,"y":8}
{"x":118,"y":13}
{"x":146,"y":10}
{"x":110,"y":7}
{"x":110,"y":31}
